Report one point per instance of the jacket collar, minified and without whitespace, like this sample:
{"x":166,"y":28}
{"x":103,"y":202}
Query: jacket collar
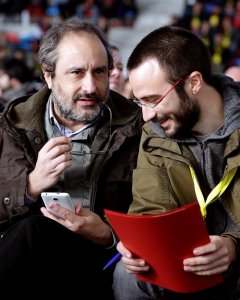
{"x":26,"y":112}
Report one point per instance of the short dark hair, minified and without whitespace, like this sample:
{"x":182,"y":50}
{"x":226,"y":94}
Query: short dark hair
{"x":178,"y":51}
{"x":52,"y":37}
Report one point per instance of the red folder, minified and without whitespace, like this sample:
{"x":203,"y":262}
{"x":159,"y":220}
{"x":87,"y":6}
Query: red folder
{"x":164,"y":240}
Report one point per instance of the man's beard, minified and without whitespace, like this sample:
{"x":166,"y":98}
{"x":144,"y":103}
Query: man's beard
{"x":66,"y":106}
{"x":187,"y":116}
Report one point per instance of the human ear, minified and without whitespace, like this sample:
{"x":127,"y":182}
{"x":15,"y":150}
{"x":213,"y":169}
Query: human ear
{"x":48,"y":76}
{"x":195,"y":81}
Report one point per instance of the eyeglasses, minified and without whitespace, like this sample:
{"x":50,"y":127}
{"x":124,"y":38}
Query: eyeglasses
{"x":155,"y":103}
{"x":90,"y":152}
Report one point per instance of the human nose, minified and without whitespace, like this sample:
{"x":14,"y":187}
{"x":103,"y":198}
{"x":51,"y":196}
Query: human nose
{"x":88,"y":84}
{"x":148,"y":113}
{"x":115,"y":72}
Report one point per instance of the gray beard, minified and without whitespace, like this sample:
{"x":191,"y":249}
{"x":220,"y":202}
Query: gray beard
{"x":71,"y":115}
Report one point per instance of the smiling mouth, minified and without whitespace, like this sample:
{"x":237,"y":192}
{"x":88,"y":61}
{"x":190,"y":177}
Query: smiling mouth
{"x":163,"y":120}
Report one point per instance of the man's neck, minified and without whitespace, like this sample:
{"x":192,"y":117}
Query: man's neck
{"x":212,"y":112}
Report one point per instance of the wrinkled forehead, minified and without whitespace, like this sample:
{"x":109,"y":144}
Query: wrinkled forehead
{"x":85,"y":46}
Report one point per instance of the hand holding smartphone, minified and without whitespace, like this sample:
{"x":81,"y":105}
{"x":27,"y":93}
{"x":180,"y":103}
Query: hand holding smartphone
{"x":63,"y":199}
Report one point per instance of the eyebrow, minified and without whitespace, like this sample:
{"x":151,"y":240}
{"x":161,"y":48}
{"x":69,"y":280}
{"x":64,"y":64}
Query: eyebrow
{"x":119,"y":64}
{"x":103,"y":67}
{"x":148,"y":97}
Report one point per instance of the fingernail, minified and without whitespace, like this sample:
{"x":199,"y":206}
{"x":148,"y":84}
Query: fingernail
{"x":142,"y":263}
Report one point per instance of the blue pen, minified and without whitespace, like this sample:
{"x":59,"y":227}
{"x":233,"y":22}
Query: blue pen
{"x":113,"y":260}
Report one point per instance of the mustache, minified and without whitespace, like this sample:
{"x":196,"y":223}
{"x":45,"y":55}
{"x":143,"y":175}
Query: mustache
{"x":161,"y":118}
{"x":92,"y":96}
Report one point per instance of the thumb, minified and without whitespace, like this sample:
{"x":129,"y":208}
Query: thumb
{"x":79,"y":210}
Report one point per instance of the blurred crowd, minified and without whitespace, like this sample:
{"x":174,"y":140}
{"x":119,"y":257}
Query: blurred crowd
{"x":104,"y":13}
{"x":218,"y":23}
{"x":43,"y":13}
{"x":19,"y":69}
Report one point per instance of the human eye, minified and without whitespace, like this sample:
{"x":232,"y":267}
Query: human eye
{"x":100,"y":71}
{"x":120,"y":69}
{"x":154,"y":100}
{"x":76,"y":72}
{"x":157,"y":101}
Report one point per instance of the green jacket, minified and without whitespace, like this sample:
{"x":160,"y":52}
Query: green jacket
{"x":162,"y":180}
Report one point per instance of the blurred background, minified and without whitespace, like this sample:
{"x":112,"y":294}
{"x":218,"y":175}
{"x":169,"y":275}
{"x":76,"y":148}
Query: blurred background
{"x":124,"y":23}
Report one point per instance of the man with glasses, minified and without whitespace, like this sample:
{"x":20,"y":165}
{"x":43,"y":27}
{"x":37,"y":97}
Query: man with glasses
{"x":75,"y":136}
{"x":189,"y":147}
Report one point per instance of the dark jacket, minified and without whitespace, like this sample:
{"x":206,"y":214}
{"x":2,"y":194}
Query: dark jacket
{"x":22,"y":136}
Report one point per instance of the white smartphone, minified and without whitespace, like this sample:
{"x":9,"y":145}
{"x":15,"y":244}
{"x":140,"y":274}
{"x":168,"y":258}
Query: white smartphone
{"x":62,"y":199}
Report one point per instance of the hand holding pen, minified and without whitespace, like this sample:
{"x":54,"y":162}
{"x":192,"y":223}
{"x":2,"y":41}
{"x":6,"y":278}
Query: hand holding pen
{"x":132,"y":263}
{"x":113,"y":260}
